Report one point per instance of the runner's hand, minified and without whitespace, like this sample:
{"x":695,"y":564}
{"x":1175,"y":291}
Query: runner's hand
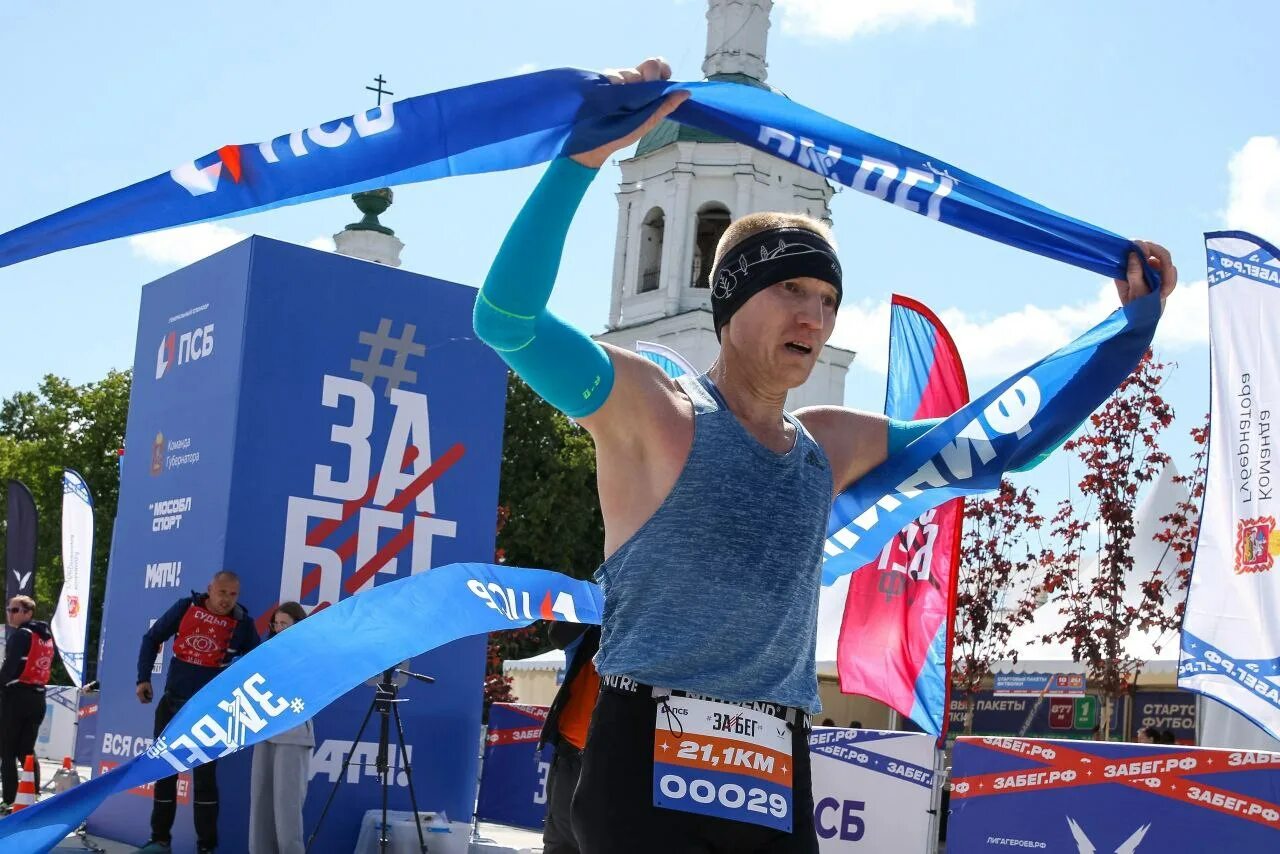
{"x":648,"y":71}
{"x":1133,"y":285}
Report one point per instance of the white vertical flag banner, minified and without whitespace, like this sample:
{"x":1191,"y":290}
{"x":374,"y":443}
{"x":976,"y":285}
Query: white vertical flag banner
{"x":71,"y":620}
{"x":1231,"y":631}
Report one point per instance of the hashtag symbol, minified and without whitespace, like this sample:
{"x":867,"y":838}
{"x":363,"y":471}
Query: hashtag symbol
{"x":402,"y":348}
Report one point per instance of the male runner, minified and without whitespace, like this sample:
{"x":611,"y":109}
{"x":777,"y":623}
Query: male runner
{"x":715,"y":503}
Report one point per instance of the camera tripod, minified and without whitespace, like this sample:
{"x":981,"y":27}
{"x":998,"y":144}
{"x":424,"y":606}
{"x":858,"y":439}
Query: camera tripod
{"x":385,"y":700}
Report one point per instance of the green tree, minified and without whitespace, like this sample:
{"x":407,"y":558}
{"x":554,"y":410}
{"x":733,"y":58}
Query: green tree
{"x":61,"y":425}
{"x":548,"y":489}
{"x":548,"y":514}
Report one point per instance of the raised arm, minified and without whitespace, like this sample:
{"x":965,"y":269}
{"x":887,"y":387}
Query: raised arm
{"x":856,"y":442}
{"x":562,"y":364}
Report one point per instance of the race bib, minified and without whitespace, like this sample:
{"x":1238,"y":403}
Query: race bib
{"x":722,"y":760}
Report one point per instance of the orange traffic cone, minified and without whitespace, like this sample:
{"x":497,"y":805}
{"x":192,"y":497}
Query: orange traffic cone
{"x":65,"y":778}
{"x":26,"y":785}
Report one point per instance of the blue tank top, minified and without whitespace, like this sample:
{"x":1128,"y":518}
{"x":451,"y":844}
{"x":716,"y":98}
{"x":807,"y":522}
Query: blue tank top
{"x":717,"y":593}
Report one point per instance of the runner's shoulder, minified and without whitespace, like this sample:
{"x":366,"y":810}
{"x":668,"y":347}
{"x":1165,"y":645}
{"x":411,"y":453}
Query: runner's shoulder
{"x":643,"y":401}
{"x":854,"y":441}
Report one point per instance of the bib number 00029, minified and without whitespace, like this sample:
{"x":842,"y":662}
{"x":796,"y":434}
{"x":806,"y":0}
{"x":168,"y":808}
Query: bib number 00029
{"x":722,"y":760}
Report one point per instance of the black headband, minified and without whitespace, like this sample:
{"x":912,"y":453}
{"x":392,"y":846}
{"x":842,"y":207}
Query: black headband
{"x":765,"y":259}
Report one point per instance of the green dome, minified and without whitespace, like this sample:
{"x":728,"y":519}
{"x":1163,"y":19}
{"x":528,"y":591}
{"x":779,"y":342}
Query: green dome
{"x":668,"y":132}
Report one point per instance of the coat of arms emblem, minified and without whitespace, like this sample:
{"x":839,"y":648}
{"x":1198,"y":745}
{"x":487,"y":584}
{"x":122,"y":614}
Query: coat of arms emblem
{"x":1257,"y":544}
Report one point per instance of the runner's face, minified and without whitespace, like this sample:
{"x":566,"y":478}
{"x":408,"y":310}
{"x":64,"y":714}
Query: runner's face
{"x":781,"y":330}
{"x":222,"y":596}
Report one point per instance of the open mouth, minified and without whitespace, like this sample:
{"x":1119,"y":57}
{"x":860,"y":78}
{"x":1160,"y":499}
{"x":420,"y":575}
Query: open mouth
{"x":797,"y":347}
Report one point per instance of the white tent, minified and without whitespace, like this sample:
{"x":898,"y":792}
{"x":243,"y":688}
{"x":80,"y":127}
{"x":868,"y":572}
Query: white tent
{"x":1223,"y":727}
{"x":552,"y":659}
{"x":1158,"y":649}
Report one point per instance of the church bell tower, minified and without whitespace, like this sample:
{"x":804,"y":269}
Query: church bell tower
{"x":681,"y":190}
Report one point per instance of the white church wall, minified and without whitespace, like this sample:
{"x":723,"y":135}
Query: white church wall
{"x":684,"y":177}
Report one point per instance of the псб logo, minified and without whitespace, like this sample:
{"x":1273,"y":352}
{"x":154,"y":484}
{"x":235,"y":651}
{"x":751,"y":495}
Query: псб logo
{"x":178,"y":349}
{"x":199,"y":180}
{"x":516,"y":604}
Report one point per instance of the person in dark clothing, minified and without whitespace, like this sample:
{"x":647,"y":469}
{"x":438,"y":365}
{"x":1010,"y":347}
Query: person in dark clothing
{"x":28,"y":655}
{"x":209,"y":631}
{"x":566,"y":730}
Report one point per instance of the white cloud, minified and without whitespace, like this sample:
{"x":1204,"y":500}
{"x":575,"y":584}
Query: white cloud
{"x":864,"y":328}
{"x":843,"y":19}
{"x":324,"y":243}
{"x":1186,"y":318}
{"x":995,"y":346}
{"x":1253,"y":202}
{"x":181,"y":246}
{"x":526,"y":68}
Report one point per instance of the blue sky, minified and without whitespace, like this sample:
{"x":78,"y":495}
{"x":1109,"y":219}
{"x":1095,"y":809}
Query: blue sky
{"x":1156,"y":120}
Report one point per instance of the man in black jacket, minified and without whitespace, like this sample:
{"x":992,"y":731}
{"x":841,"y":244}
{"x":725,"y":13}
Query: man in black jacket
{"x":566,"y":729}
{"x":209,"y":631}
{"x":28,"y":655}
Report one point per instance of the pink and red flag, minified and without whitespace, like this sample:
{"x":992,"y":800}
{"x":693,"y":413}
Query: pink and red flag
{"x":895,"y":638}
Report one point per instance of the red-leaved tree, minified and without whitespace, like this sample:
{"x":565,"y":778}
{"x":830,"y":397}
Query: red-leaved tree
{"x":1120,"y":453}
{"x":994,"y":591}
{"x":1182,"y":527}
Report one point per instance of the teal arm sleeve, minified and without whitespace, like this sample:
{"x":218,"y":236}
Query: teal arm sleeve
{"x":903,"y":433}
{"x":563,"y":365}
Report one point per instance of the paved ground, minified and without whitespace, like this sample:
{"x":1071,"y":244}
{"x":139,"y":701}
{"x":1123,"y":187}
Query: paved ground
{"x":490,"y":838}
{"x":90,"y":843}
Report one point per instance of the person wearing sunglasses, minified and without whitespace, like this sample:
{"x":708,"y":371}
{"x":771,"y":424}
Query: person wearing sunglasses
{"x":281,"y":770}
{"x":28,"y":656}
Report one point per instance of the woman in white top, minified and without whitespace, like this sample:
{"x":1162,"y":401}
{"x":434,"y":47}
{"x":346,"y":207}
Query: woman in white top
{"x":281,"y":770}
